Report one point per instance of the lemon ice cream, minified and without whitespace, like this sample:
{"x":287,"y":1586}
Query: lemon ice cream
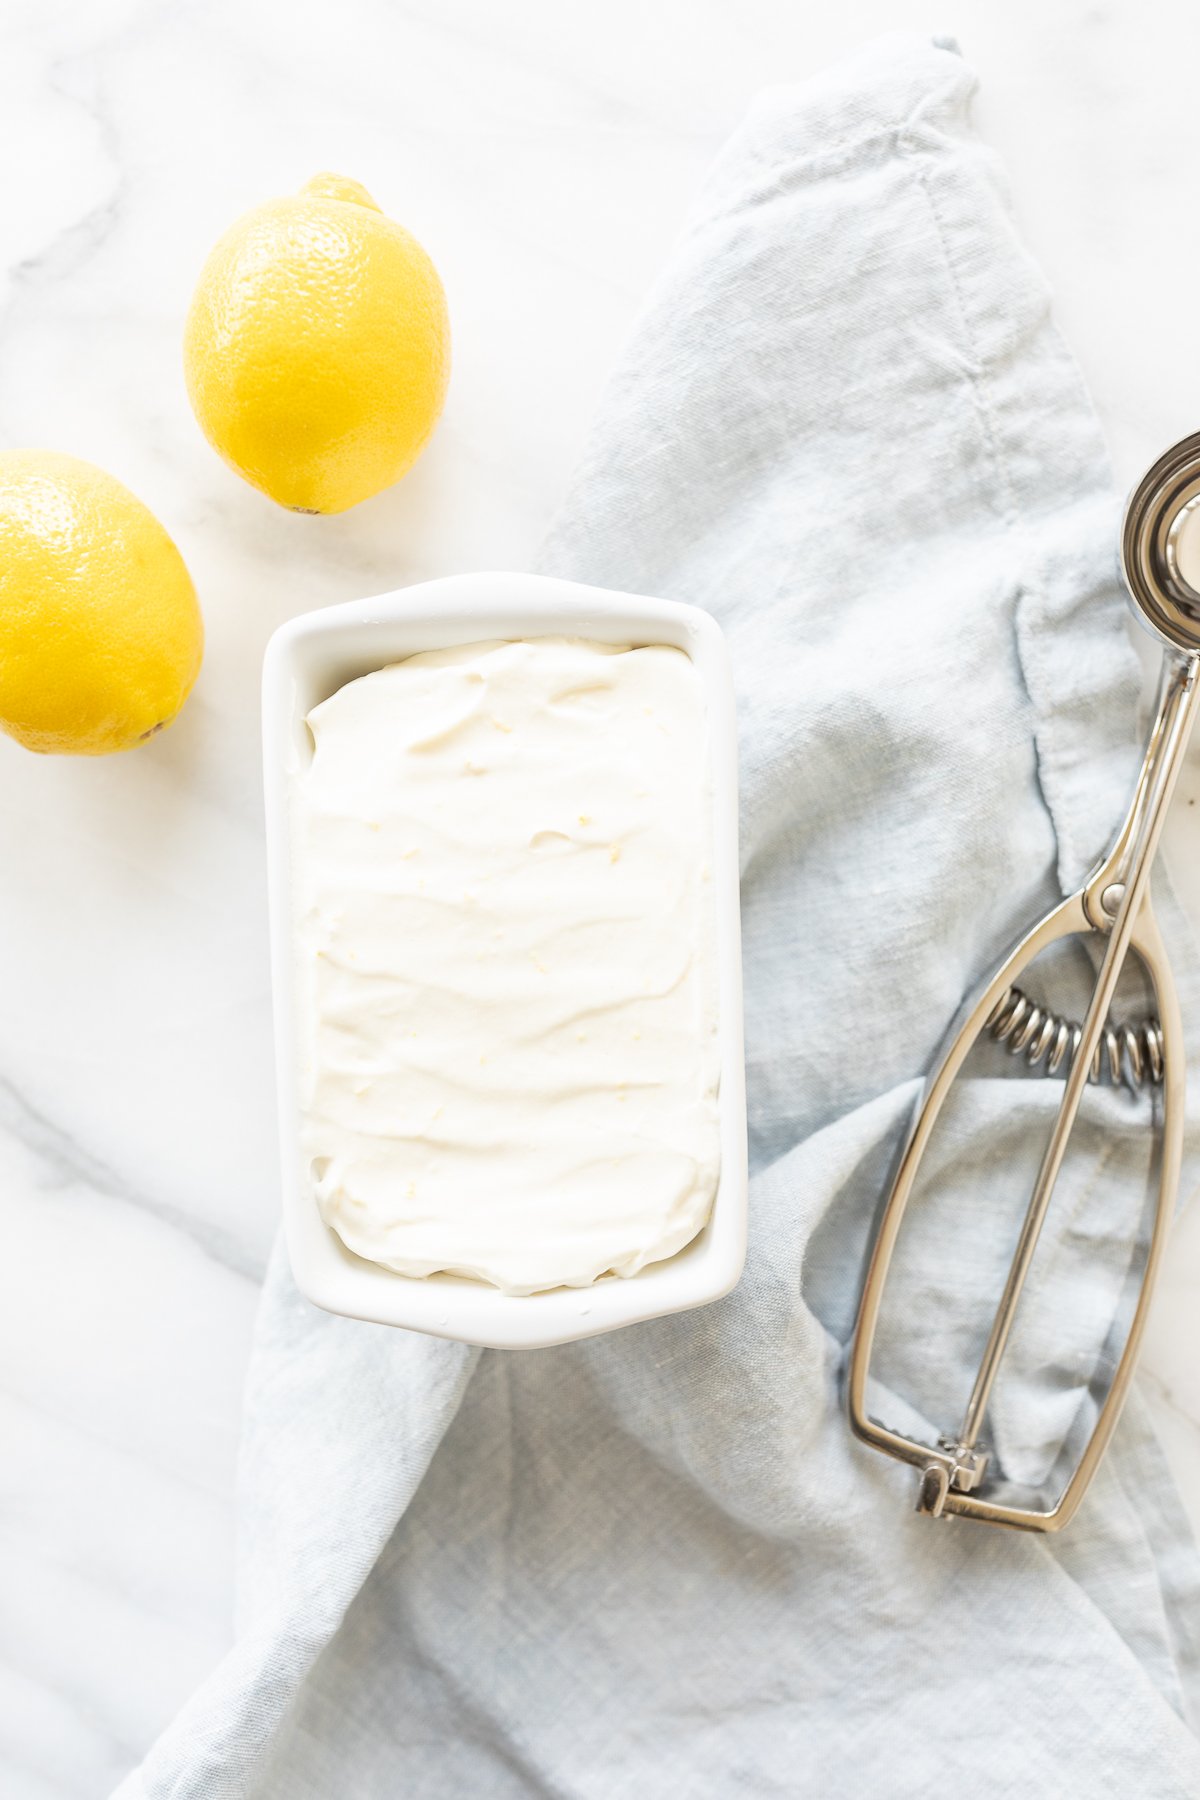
{"x":506,"y":938}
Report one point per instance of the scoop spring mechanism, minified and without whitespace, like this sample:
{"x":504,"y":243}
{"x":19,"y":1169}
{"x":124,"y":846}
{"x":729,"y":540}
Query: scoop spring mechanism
{"x":1132,"y":1054}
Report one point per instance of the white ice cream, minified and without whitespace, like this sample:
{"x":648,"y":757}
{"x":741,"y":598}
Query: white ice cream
{"x":508,"y":988}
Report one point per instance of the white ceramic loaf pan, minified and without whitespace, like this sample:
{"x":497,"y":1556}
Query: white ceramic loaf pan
{"x":306,"y":661}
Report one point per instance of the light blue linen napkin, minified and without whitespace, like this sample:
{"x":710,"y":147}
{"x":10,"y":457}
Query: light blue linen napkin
{"x":655,"y":1564}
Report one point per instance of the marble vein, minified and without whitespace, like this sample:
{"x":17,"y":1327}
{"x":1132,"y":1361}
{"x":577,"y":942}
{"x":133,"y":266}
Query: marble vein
{"x":70,"y":1163}
{"x":70,"y":245}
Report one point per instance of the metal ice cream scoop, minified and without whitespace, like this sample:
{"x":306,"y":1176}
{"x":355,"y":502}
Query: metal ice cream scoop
{"x":1160,"y":561}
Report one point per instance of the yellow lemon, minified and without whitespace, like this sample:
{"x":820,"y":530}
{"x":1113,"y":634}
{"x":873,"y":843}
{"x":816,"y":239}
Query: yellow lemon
{"x":100,"y":633}
{"x":317,"y":348}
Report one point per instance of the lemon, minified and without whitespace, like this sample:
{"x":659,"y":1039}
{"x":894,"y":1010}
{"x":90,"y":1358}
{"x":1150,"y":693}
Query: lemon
{"x":317,"y":348}
{"x":100,"y":633}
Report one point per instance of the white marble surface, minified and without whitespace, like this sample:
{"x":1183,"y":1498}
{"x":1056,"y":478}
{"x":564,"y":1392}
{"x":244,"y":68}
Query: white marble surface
{"x":545,"y":153}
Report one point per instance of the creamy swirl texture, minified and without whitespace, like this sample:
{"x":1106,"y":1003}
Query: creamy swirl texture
{"x":508,"y":1007}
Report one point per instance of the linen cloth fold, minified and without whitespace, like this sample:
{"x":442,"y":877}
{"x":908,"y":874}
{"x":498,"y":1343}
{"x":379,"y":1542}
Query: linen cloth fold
{"x":655,"y":1563}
